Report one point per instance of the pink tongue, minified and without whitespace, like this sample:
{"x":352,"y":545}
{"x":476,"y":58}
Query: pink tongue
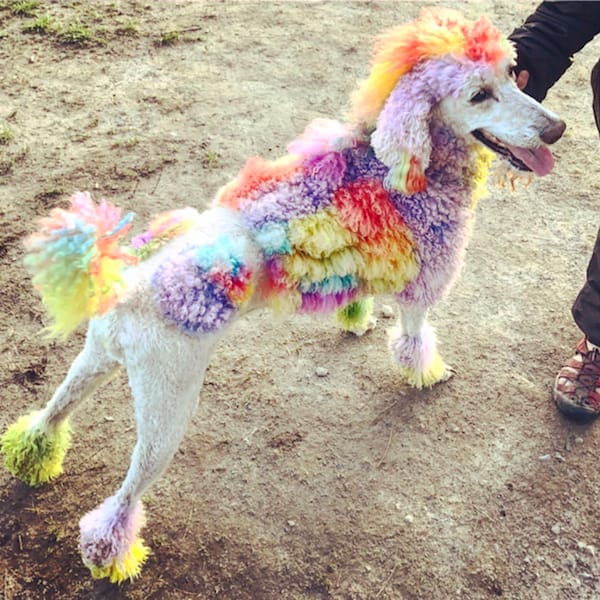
{"x":540,"y":160}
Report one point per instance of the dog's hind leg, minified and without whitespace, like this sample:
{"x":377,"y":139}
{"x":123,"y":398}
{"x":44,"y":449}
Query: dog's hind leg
{"x":34,"y":447}
{"x":165,"y":378}
{"x":414,"y":348}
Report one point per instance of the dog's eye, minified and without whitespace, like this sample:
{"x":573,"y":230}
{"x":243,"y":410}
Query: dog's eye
{"x":481,"y":95}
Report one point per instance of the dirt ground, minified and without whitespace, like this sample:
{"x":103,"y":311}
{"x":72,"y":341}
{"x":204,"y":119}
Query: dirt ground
{"x":292,"y":485}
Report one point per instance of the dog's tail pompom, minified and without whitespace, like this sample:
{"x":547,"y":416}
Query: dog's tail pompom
{"x":33,"y":455}
{"x":76,"y":262}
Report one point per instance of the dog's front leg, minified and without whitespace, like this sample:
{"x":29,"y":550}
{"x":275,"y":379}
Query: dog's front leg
{"x":413,"y":345}
{"x":357,"y":317}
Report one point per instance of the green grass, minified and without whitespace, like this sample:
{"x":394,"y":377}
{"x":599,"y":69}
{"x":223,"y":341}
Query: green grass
{"x":76,"y":34}
{"x":168,"y":38}
{"x":6,"y":135}
{"x":210,"y":159}
{"x":42,"y":25}
{"x":130,"y":28}
{"x":24,"y":8}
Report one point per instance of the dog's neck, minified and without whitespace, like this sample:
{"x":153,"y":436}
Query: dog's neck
{"x":456,"y":164}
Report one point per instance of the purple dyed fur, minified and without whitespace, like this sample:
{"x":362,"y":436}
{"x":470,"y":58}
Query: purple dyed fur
{"x":189,"y":296}
{"x":402,"y":126}
{"x":317,"y":302}
{"x":305,"y":193}
{"x":109,"y":531}
{"x":439,"y":218}
{"x":363,"y":164}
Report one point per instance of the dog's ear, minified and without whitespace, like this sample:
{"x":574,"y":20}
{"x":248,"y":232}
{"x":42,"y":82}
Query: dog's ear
{"x":401,"y":138}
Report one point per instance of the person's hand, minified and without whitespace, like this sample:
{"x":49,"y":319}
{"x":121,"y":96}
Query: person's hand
{"x":522,"y":79}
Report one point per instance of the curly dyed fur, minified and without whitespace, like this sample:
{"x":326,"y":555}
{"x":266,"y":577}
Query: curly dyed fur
{"x":381,"y":205}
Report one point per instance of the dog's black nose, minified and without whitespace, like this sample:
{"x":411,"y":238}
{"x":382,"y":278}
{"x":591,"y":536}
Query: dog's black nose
{"x":553,"y":132}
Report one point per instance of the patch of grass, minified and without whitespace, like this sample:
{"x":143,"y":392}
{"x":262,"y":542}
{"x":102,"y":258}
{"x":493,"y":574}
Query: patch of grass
{"x":210,"y":159}
{"x":24,"y":8}
{"x":168,"y":38}
{"x":56,"y":534}
{"x":130,"y":28}
{"x":42,"y":25}
{"x":127,"y":143}
{"x":76,"y":34}
{"x":6,"y":135}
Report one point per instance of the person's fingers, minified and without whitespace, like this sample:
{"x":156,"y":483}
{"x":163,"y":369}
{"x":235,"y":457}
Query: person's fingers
{"x":522,"y":79}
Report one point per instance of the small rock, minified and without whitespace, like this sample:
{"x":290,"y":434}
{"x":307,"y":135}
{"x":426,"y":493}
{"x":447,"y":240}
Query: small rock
{"x":559,"y":457}
{"x":545,"y":457}
{"x":587,"y":575}
{"x":556,"y":529}
{"x":587,"y":548}
{"x":291,"y":523}
{"x":579,"y":440}
{"x":409,"y":519}
{"x":387,"y":311}
{"x":321,"y":372}
{"x":109,"y":419}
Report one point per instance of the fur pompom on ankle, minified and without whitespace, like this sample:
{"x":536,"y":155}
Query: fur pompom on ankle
{"x":356,"y":316}
{"x":109,"y":542}
{"x":128,"y":566}
{"x":35,"y":456}
{"x":417,"y":356}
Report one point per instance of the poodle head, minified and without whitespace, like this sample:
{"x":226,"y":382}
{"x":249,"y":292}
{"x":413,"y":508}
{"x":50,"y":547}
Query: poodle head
{"x":459,"y":72}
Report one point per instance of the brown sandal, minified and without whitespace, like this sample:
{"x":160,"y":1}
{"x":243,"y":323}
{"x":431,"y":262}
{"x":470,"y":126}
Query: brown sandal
{"x":577,"y":386}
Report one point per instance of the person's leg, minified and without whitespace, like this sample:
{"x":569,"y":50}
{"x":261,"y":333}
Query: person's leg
{"x":577,"y":386}
{"x":586,"y":308}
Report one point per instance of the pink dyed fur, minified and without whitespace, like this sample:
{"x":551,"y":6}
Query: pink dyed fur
{"x":109,"y":531}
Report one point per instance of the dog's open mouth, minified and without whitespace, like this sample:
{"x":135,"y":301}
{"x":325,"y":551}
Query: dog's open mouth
{"x":539,"y":160}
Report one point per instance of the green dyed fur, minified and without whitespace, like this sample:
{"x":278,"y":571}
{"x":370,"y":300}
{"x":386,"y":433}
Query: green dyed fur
{"x":34,"y":456}
{"x":355,"y":316}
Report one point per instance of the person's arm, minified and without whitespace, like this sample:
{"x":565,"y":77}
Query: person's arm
{"x":548,"y":39}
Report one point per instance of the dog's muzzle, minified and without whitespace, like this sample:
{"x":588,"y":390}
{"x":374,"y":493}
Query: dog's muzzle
{"x":537,"y":160}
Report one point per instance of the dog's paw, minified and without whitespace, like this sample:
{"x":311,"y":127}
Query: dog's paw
{"x":448,"y":373}
{"x":435,"y":372}
{"x":121,"y":568}
{"x":370,"y":324}
{"x":32,"y":455}
{"x":357,"y":317}
{"x":109,"y":542}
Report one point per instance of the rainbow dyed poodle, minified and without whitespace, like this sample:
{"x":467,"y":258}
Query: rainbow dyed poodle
{"x":381,"y":204}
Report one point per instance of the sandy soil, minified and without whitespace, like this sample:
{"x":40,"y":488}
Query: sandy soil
{"x":290,"y":485}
